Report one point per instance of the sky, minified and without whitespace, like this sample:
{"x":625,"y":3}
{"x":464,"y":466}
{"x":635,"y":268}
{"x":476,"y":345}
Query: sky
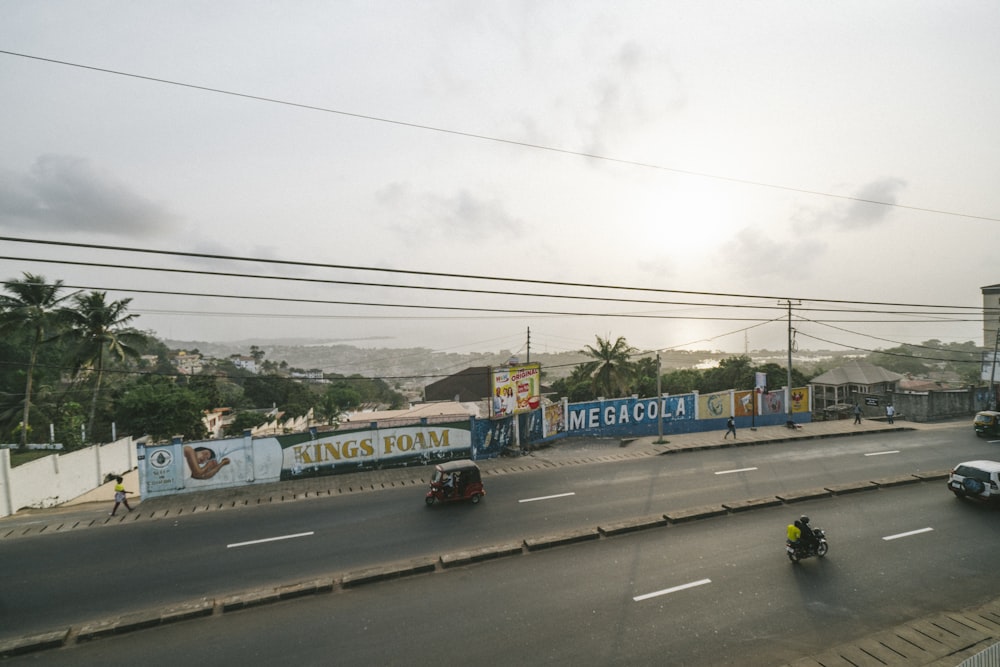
{"x":472,"y":175}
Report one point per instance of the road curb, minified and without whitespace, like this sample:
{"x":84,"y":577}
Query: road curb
{"x":569,"y":537}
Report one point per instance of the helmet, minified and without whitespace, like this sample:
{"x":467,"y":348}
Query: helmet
{"x":804,"y":519}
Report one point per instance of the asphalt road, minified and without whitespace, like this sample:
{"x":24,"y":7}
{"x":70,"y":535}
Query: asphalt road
{"x":62,"y":579}
{"x":713,"y":592}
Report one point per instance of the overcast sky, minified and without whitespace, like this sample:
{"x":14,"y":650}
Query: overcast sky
{"x":842,"y":151}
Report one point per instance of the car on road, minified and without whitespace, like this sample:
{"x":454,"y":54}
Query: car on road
{"x":987,"y":422}
{"x":976,"y":479}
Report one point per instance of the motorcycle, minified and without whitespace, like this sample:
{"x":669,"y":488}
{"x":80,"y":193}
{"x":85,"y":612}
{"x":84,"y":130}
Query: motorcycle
{"x":797,"y":551}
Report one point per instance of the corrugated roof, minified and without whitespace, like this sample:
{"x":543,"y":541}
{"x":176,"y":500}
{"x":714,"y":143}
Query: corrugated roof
{"x":856,"y":371}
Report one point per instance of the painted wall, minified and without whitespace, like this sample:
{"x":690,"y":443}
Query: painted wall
{"x":179,"y":467}
{"x":59,"y":478}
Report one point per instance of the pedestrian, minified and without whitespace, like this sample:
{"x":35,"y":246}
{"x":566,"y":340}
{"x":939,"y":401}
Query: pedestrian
{"x":120,"y":498}
{"x":890,"y":412}
{"x":730,"y":428}
{"x":857,"y":413}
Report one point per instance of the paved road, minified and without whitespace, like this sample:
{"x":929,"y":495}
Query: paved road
{"x":563,"y":454}
{"x":704,"y":593}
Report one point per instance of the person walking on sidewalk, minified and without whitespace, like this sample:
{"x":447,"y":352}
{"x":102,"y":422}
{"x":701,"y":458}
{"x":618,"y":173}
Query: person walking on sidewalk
{"x":857,"y":413}
{"x":890,"y":413}
{"x":120,"y":498}
{"x":730,"y":428}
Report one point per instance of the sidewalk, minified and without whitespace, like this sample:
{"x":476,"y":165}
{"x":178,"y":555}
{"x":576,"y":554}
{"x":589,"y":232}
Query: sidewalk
{"x":570,"y":451}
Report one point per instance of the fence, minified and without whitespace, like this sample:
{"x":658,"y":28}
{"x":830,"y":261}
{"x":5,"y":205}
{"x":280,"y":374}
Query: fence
{"x":293,"y":452}
{"x":59,"y":478}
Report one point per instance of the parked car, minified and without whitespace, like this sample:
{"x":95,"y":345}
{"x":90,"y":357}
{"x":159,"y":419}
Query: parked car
{"x":987,"y":422}
{"x":976,"y":479}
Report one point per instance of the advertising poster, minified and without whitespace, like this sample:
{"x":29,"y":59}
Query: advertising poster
{"x":555,"y":420}
{"x":713,"y":406}
{"x":800,"y":399}
{"x":746,"y":403}
{"x":628,"y":415}
{"x":772,"y":403}
{"x":515,"y":389}
{"x":214,"y":464}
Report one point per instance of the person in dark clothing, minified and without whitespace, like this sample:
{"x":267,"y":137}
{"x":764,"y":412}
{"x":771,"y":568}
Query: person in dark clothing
{"x":857,"y":413}
{"x":730,"y":428}
{"x":808,"y":538}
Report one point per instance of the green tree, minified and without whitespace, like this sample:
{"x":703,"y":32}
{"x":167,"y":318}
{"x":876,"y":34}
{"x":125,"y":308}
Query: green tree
{"x":681,"y":381}
{"x":335,"y":400}
{"x":245,"y":420}
{"x":611,"y":369}
{"x":731,"y":373}
{"x":99,"y":328}
{"x":578,"y":386}
{"x":286,"y":394}
{"x":156,"y":406}
{"x":35,"y":305}
{"x":644,"y":376}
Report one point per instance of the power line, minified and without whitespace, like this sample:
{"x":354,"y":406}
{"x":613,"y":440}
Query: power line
{"x":358,"y":283}
{"x":438,"y":274}
{"x":510,"y":142}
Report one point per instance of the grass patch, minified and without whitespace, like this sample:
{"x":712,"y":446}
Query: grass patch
{"x":20,"y":458}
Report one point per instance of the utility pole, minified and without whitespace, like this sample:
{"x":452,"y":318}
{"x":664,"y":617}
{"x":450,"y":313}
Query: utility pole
{"x":659,"y":402}
{"x":529,"y":346}
{"x":993,"y":373}
{"x":788,"y":386}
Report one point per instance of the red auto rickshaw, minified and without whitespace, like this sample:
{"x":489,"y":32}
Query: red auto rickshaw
{"x":455,"y":480}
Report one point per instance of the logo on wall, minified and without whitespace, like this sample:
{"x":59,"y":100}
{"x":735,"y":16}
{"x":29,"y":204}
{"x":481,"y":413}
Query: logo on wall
{"x":161,"y":458}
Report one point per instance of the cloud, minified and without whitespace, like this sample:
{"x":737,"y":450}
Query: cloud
{"x":868,"y":207}
{"x":862,"y":213}
{"x":67,"y":194}
{"x":460,"y":216}
{"x":765,"y":257}
{"x":634,"y":89}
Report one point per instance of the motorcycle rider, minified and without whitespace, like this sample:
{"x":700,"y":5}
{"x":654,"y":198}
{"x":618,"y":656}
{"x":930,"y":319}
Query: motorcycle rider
{"x":808,"y":541}
{"x":794,"y":532}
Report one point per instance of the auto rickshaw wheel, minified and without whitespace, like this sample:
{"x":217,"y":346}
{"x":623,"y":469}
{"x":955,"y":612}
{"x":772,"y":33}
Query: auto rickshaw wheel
{"x":475,"y":498}
{"x":429,"y":500}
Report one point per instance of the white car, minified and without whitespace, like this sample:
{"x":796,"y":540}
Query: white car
{"x":976,"y":479}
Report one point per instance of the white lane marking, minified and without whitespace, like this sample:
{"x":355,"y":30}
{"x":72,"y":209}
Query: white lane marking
{"x":667,"y":591}
{"x":558,"y":495}
{"x":726,"y":472}
{"x":269,"y":539}
{"x":912,"y":532}
{"x":891,"y":451}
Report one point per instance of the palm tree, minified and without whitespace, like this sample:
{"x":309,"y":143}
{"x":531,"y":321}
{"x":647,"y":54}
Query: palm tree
{"x":33,"y":305}
{"x":98,"y":327}
{"x":611,"y":368}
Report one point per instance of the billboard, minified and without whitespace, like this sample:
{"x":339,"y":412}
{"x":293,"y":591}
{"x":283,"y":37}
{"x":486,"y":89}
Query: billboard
{"x":515,"y":389}
{"x":180,"y":467}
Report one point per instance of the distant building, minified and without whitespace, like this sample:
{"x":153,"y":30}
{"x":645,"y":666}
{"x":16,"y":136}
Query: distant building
{"x":187,"y":363}
{"x":836,"y":386}
{"x":248,"y":364}
{"x":217,"y":420}
{"x":468,"y":386}
{"x":991,"y":315}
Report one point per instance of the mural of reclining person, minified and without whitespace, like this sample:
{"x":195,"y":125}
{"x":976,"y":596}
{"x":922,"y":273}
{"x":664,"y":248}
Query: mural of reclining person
{"x":202,"y":462}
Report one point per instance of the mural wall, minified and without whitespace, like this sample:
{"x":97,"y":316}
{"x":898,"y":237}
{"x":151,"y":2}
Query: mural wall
{"x":179,"y":467}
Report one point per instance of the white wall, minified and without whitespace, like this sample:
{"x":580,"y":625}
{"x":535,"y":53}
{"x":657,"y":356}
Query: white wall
{"x":59,"y":478}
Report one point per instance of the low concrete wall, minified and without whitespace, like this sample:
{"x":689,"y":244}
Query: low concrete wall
{"x":60,"y":478}
{"x":922,"y":406}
